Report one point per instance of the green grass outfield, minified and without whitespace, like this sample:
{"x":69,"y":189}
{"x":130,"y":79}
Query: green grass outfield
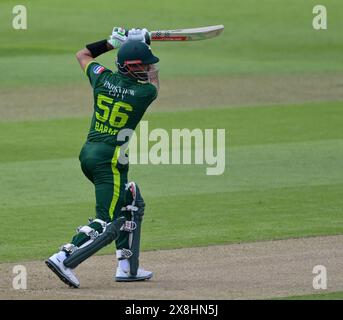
{"x":318,"y":296}
{"x":283,"y":179}
{"x":261,"y":36}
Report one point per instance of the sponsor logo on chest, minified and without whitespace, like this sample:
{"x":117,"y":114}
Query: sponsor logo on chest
{"x":118,"y":91}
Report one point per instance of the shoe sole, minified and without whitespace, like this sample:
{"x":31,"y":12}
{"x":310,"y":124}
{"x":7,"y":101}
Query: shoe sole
{"x":55,"y":269}
{"x":131,"y":279}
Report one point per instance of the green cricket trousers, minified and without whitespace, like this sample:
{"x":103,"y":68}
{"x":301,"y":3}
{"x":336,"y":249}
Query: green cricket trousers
{"x":99,"y":163}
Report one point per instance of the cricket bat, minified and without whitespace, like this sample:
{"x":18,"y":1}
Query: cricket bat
{"x":193,"y":34}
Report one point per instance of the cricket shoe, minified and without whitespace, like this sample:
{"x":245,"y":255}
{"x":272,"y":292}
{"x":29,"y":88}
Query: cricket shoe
{"x":64,"y":273}
{"x":125,"y":276}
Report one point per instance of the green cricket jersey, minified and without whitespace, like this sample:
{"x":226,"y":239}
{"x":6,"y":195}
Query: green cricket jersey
{"x":119,"y":103}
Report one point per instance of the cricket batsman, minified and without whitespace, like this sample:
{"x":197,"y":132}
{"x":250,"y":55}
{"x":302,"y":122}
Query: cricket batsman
{"x":120,"y":101}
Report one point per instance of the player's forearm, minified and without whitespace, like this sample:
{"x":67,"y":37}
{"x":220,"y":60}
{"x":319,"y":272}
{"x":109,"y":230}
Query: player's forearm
{"x":84,"y":57}
{"x":98,"y":48}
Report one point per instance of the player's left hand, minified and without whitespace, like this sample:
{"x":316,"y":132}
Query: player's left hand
{"x":139,"y":35}
{"x":117,"y":38}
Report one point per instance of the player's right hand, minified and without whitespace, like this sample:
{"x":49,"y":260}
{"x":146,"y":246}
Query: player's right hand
{"x":117,"y":38}
{"x":139,"y":35}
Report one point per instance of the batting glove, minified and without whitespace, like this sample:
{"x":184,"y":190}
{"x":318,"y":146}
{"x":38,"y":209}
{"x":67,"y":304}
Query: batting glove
{"x":117,"y":38}
{"x":139,"y":35}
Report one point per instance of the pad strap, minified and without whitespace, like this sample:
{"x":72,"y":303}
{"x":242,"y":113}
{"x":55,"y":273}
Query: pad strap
{"x":69,"y":248}
{"x":102,"y":222}
{"x":90,"y":232}
{"x":129,"y":208}
{"x":123,"y":254}
{"x":129,"y":226}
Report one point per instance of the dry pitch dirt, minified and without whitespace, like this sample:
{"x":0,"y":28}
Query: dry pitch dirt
{"x":48,"y":102}
{"x":239,"y":271}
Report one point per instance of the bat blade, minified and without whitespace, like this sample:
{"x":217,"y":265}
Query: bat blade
{"x":193,"y":34}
